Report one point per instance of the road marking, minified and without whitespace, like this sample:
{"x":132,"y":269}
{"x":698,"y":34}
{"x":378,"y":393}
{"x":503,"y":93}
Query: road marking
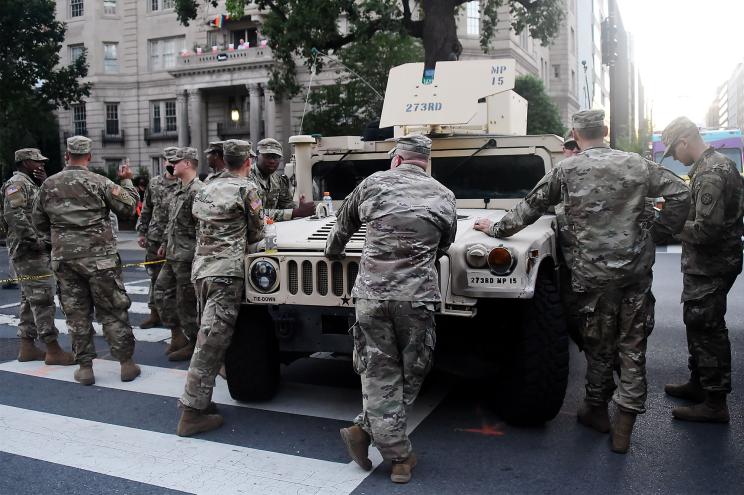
{"x":187,"y":464}
{"x":143,"y":335}
{"x":134,"y":282}
{"x":293,"y":398}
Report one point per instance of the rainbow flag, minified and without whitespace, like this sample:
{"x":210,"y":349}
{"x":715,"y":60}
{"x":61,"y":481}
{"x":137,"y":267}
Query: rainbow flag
{"x":219,"y":21}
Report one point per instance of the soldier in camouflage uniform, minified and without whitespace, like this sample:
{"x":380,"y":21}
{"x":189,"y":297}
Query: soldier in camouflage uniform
{"x":273,"y":187}
{"x":215,"y":159}
{"x":411,"y":221}
{"x":74,"y":207}
{"x":604,"y":193}
{"x":151,"y":228}
{"x":174,"y":292}
{"x":230,"y":224}
{"x":711,"y":261}
{"x":29,"y":252}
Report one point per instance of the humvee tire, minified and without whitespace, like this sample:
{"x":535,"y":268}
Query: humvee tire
{"x":533,"y":381}
{"x":252,"y":360}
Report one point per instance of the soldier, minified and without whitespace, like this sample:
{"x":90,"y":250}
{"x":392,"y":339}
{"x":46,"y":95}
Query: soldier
{"x":273,"y":187}
{"x":29,"y":252}
{"x":711,"y":261}
{"x":570,"y":147}
{"x":215,"y":159}
{"x":151,"y":228}
{"x":174,"y":292}
{"x":604,"y":195}
{"x":411,"y":221}
{"x":74,"y":206}
{"x":230,"y":224}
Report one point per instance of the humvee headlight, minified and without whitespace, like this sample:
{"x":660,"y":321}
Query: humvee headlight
{"x":501,"y":261}
{"x":477,"y":256}
{"x":264,"y":275}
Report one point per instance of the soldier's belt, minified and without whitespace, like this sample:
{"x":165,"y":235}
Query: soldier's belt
{"x":24,"y":278}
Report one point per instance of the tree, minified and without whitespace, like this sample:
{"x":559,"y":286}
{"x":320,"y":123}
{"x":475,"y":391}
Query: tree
{"x":32,"y":81}
{"x":542,"y":114}
{"x":346,"y":107}
{"x":295,"y":27}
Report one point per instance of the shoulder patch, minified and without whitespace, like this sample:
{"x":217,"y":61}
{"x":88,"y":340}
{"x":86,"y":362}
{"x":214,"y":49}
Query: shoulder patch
{"x":255,"y":200}
{"x":706,"y":199}
{"x":11,"y":190}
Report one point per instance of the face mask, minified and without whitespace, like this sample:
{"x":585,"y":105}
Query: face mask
{"x":170,"y":169}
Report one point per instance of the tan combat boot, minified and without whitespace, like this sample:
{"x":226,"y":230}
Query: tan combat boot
{"x":29,"y":352}
{"x":194,"y":421}
{"x":153,"y":320}
{"x":402,"y":469}
{"x":182,"y":354}
{"x":357,"y":443}
{"x":129,"y":370}
{"x":621,"y":431}
{"x":55,"y":355}
{"x":84,"y":374}
{"x":595,"y":417}
{"x":178,"y":340}
{"x":713,"y":410}
{"x":692,"y":390}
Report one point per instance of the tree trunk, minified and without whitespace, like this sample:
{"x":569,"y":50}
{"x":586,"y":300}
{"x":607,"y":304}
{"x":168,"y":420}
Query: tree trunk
{"x":440,"y":32}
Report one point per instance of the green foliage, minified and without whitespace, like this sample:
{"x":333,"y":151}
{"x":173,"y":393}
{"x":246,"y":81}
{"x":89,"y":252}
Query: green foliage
{"x":295,"y":27}
{"x":345,"y":108}
{"x":33,"y":83}
{"x":542,"y":114}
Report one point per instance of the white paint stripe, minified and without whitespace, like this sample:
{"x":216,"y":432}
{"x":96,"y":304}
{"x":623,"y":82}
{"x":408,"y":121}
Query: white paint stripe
{"x":187,"y":464}
{"x":138,"y":290}
{"x":134,"y":282}
{"x":148,"y":335}
{"x":12,"y":305}
{"x":293,"y":398}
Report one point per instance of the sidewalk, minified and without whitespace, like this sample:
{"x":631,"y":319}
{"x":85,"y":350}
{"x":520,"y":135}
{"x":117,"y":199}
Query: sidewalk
{"x":127,"y":239}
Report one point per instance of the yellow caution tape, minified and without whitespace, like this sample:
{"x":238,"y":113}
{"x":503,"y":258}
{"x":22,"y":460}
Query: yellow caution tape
{"x":23,"y":278}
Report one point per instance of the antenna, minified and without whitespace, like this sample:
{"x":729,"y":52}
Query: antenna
{"x":315,"y":52}
{"x":309,"y":85}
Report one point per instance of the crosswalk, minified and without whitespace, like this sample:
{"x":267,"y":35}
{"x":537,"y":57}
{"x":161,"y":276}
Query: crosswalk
{"x":249,"y":455}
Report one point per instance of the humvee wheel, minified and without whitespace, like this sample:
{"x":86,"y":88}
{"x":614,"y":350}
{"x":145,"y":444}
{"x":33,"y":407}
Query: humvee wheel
{"x":252,"y":360}
{"x":534,"y":378}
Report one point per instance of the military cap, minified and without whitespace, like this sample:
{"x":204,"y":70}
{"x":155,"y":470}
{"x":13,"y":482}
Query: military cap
{"x":677,"y":128}
{"x":587,"y":119}
{"x":236,"y":147}
{"x":79,"y":145}
{"x":569,"y":137}
{"x":269,"y":146}
{"x":169,"y":152}
{"x":184,"y":154}
{"x":417,"y":143}
{"x":29,"y":154}
{"x":214,"y":146}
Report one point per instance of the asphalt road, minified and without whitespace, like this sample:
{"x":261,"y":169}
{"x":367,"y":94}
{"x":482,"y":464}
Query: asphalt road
{"x":59,"y":437}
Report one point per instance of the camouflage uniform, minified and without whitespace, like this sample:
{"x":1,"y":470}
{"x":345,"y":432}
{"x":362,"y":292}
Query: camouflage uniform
{"x":604,"y":193}
{"x":411,"y":220}
{"x":215,"y":147}
{"x":229,"y":214}
{"x":275,"y":190}
{"x":29,"y":252}
{"x":174,"y":292}
{"x":74,"y":206}
{"x":154,"y":219}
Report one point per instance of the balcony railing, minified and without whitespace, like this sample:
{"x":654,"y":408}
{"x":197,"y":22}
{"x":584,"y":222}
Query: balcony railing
{"x":160,"y":136}
{"x":229,"y":130}
{"x":223,"y":58}
{"x":112,"y":138}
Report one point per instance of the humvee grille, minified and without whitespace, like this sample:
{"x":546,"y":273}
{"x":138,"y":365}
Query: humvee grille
{"x":352,"y":274}
{"x":307,"y":277}
{"x":322,"y":233}
{"x":322,"y":278}
{"x":292,"y":277}
{"x":337,"y":277}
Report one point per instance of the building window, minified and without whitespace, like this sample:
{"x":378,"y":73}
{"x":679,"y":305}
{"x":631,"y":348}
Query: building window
{"x":156,"y":163}
{"x":163,"y":116}
{"x":164,"y":51}
{"x":76,"y":8}
{"x":109,"y":7}
{"x":112,"y":164}
{"x":75,"y":51}
{"x":573,"y":41}
{"x":112,"y":119}
{"x":556,"y":71}
{"x":156,"y":5}
{"x":473,"y":15}
{"x":573,"y":81}
{"x":78,"y":119}
{"x":110,"y":58}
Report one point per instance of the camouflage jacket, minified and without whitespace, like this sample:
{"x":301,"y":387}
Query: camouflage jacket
{"x":154,"y":217}
{"x":18,"y":195}
{"x":74,"y":206}
{"x":711,"y":238}
{"x":180,"y":234}
{"x":411,"y":220}
{"x":230,"y":220}
{"x":276,"y":194}
{"x":213,"y":175}
{"x":604,"y":193}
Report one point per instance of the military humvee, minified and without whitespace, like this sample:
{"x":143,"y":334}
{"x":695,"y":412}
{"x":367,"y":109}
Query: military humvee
{"x":501,"y":318}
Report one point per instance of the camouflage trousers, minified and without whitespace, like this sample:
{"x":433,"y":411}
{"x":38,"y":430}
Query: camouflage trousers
{"x":704,"y":311}
{"x":37,"y":298}
{"x":615,"y":331}
{"x":393,"y":350}
{"x":219,"y":302}
{"x":151,"y":254}
{"x":88,"y":284}
{"x":175,"y":298}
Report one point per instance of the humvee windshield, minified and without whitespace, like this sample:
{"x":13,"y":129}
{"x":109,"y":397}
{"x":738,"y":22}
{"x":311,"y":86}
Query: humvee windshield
{"x":494,"y":177}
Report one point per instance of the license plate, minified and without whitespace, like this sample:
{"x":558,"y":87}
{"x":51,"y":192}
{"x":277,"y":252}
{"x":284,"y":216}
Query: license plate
{"x":487,"y":280}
